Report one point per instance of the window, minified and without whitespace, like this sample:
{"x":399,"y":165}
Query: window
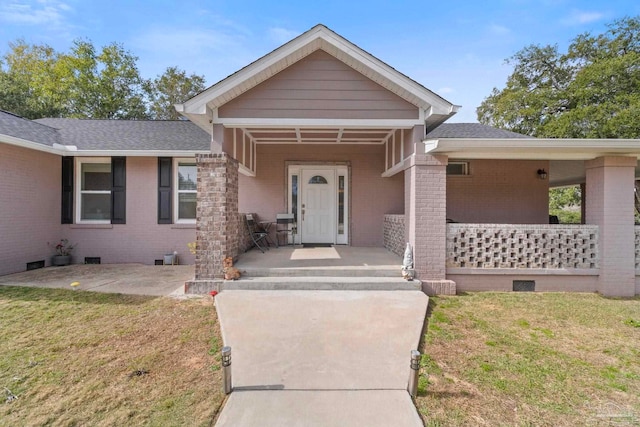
{"x":93,"y":198}
{"x":458,"y":168}
{"x":318,"y":179}
{"x":186,"y":186}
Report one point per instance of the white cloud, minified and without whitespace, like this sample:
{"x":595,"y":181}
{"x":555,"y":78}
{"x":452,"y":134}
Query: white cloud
{"x":445,"y":90}
{"x":282,"y":35}
{"x":214,"y":53}
{"x":499,"y":30}
{"x":579,"y":17}
{"x":48,"y":13}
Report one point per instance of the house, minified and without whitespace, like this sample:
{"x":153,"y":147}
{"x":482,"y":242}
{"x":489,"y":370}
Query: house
{"x":357,"y":151}
{"x":122,"y":191}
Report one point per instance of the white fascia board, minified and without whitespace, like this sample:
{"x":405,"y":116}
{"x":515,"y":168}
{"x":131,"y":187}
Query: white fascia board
{"x":397,"y":168}
{"x":19,"y":142}
{"x":533,"y":149}
{"x":135,"y":153}
{"x":242,"y":169}
{"x":320,"y":123}
{"x":72,"y":150}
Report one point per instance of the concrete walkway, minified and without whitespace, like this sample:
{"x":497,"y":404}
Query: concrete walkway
{"x":136,"y":279}
{"x":320,"y":358}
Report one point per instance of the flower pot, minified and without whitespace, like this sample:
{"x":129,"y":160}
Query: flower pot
{"x":58,"y":260}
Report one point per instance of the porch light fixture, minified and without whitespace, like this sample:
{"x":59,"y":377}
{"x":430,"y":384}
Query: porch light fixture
{"x":542,"y":174}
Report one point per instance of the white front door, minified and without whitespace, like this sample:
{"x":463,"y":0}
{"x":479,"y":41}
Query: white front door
{"x":318,"y":206}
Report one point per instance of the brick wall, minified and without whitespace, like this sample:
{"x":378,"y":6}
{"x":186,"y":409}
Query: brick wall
{"x":218,"y":227}
{"x":425,"y":214}
{"x":29,"y":207}
{"x":499,"y":192}
{"x":394,"y":240}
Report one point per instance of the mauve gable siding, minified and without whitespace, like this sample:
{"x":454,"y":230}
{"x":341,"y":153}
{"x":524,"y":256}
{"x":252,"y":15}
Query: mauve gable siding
{"x":319,"y":87}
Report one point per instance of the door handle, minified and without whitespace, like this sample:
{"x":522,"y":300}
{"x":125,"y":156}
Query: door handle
{"x":303,"y":214}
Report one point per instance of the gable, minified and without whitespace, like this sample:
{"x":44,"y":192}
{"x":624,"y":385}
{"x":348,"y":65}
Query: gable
{"x":321,"y":87}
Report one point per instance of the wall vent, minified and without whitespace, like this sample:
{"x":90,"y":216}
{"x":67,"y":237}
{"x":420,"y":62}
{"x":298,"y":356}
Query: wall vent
{"x":524,"y":285}
{"x":34,"y":265}
{"x":92,"y":260}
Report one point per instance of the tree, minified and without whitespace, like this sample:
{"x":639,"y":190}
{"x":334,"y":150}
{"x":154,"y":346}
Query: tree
{"x":28,"y":83}
{"x":170,"y":88}
{"x":36,"y":81}
{"x":105,"y":85}
{"x":591,"y":91}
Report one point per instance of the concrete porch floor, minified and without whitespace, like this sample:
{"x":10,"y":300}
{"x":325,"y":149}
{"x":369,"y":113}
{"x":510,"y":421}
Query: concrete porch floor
{"x":330,"y":260}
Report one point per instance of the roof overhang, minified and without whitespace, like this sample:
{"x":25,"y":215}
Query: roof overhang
{"x":533,"y":148}
{"x":202,"y":108}
{"x":72,"y":150}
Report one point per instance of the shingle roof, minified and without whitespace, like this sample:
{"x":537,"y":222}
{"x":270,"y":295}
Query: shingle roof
{"x":89,"y":134}
{"x":22,"y":128}
{"x":471,"y":131}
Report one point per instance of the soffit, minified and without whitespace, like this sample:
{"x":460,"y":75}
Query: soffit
{"x":323,"y":135}
{"x":533,"y":148}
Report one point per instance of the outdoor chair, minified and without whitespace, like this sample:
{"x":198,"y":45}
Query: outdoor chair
{"x":285,"y":226}
{"x":258,"y":234}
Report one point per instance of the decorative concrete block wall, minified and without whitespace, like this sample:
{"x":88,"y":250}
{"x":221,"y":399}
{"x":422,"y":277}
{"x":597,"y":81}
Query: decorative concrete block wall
{"x":502,"y":246}
{"x":244,"y":240}
{"x":394,"y":240}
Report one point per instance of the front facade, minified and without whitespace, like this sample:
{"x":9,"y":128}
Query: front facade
{"x":357,"y":152}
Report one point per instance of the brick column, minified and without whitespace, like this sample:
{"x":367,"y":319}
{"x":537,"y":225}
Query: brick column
{"x":217,"y":225}
{"x":609,"y":204}
{"x":425,"y":182}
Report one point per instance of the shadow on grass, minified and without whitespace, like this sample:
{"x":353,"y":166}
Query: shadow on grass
{"x":68,"y":295}
{"x":446,"y":394}
{"x":425,"y":326}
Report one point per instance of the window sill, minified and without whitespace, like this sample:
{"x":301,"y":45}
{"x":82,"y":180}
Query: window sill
{"x":94,"y":226}
{"x":184,"y":225}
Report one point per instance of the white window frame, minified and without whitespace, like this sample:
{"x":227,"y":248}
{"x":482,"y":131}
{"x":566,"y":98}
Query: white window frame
{"x":177,"y":191}
{"x":465,"y":171}
{"x":79,"y":192}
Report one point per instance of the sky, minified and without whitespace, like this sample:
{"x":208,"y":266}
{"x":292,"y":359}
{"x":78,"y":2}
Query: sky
{"x":455,"y":48}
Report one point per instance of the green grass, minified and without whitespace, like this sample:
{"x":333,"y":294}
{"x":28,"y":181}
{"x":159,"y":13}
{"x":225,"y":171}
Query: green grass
{"x":530,"y":359}
{"x":84,"y":358}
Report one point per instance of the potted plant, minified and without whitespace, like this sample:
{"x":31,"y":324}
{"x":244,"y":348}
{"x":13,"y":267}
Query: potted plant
{"x":63,"y":253}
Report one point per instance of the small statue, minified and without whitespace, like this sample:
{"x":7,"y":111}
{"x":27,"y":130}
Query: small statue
{"x":407,"y":263}
{"x":230,"y":272}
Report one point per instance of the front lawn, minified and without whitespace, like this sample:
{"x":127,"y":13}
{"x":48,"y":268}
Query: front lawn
{"x":70,"y":357}
{"x":531,"y":359}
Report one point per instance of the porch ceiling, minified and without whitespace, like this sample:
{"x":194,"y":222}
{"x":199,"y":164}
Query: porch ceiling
{"x":300,"y":135}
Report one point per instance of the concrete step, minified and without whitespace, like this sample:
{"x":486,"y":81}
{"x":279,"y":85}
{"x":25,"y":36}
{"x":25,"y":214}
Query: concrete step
{"x":322,"y":283}
{"x":340,"y":271}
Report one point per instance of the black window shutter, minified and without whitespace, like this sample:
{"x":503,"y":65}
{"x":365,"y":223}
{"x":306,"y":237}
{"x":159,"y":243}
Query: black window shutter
{"x":67,"y":190}
{"x":165,"y":215}
{"x":118,"y":190}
